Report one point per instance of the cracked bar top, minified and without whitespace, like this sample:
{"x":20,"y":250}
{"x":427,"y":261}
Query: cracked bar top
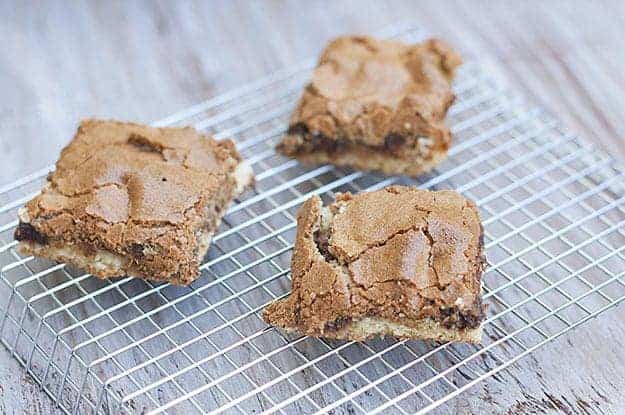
{"x":127,"y":198}
{"x":367,"y":95}
{"x":398,"y":261}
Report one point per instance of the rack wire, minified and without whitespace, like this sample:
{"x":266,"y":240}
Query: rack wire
{"x":554,"y":217}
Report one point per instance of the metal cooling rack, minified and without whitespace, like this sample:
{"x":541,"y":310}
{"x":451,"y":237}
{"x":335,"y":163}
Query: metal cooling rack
{"x":553,"y":210}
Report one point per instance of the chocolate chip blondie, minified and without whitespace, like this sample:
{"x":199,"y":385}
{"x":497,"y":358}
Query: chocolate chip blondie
{"x":128,"y":199}
{"x":376,"y":105}
{"x":359,"y":271}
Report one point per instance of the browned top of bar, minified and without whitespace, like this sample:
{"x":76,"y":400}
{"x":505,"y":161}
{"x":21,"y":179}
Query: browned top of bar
{"x":135,"y":190}
{"x":366,"y":90}
{"x":398,"y":253}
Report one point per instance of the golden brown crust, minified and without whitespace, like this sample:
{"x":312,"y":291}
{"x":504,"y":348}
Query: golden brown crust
{"x":145,"y":195}
{"x":416,"y":269}
{"x":380,"y":95}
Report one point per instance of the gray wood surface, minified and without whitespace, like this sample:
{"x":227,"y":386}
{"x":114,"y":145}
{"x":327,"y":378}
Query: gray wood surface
{"x":61,"y":61}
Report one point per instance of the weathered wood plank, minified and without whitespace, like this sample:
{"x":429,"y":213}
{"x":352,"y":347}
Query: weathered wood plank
{"x":145,"y":60}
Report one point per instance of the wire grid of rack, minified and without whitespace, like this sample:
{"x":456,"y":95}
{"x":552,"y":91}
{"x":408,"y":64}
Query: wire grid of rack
{"x":554,"y":215}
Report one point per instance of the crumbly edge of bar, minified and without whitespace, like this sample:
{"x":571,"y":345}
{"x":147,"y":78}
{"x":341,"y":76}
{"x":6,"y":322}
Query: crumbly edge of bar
{"x":424,"y":329}
{"x":106,"y":264}
{"x":387,"y":159}
{"x":103,"y":263}
{"x":363,"y":158}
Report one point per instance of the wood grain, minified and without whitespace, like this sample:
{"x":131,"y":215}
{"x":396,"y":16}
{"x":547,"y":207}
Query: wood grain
{"x":144,"y":60}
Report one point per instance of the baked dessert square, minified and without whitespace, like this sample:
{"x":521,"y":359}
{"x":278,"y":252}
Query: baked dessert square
{"x":128,"y":199}
{"x":360,"y":271}
{"x":376,"y":105}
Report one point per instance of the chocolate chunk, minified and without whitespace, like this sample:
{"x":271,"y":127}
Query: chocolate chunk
{"x":474,"y":316}
{"x":136,"y":250}
{"x":298,"y":129}
{"x":27,"y":232}
{"x":323,"y":143}
{"x":394,"y":142}
{"x":454,"y":318}
{"x":322,"y":241}
{"x":143,"y":143}
{"x":337,"y":324}
{"x":469,"y":320}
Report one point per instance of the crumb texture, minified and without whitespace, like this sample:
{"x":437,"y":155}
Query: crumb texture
{"x":407,"y":257}
{"x":144,"y":194}
{"x":375,"y":95}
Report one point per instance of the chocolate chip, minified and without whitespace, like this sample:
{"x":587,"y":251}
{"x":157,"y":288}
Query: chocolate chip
{"x":27,"y":232}
{"x":393,"y":141}
{"x":321,"y":143}
{"x":322,"y":241}
{"x":447,"y":311}
{"x":136,"y":250}
{"x":143,"y":143}
{"x":473,"y":317}
{"x":298,"y":129}
{"x":317,"y":141}
{"x":470,"y":318}
{"x":337,"y":324}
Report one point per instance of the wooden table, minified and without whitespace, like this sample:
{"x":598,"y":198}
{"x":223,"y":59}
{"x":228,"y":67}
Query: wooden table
{"x":144,"y":60}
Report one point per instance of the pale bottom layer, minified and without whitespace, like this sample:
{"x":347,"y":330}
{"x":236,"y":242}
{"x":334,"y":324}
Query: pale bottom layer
{"x":363,"y":158}
{"x":426,"y":329}
{"x":102,"y":263}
